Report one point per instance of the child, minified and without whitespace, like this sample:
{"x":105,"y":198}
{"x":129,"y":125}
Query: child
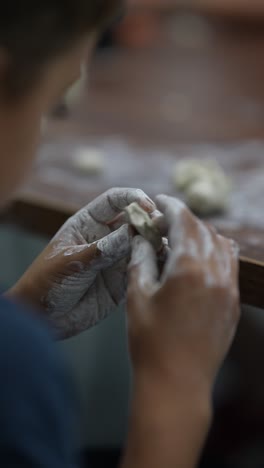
{"x":180,"y":325}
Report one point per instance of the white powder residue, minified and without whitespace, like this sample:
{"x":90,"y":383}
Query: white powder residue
{"x":95,"y":268}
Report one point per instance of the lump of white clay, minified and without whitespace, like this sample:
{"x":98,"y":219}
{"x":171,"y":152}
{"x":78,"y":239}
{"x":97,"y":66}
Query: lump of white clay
{"x":190,"y":170}
{"x":204,"y":184}
{"x":205,"y":198}
{"x":144,"y":225}
{"x":89,"y":161}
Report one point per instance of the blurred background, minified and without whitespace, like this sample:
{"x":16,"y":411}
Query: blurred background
{"x":170,"y":80}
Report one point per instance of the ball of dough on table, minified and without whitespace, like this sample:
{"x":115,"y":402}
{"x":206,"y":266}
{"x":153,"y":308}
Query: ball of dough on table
{"x":190,"y":170}
{"x":206,"y":198}
{"x":204,"y":184}
{"x":89,"y":160}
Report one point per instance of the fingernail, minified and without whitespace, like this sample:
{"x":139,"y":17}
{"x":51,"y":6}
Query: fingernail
{"x":149,"y":199}
{"x":147,"y":204}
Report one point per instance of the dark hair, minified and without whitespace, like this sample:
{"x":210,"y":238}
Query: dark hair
{"x":34,"y":31}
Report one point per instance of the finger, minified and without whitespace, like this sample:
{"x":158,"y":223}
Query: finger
{"x":219,"y":258}
{"x":104,"y":253}
{"x":178,"y":220}
{"x":114,"y":247}
{"x":163,"y":256}
{"x":169,"y":206}
{"x":164,"y":252}
{"x":107,"y":207}
{"x":143,"y":269}
{"x":78,"y":266}
{"x":155,"y":215}
{"x":161,"y":223}
{"x":115,"y":279}
{"x":228,"y":260}
{"x":211,"y":228}
{"x":235,"y":274}
{"x":234,"y":249}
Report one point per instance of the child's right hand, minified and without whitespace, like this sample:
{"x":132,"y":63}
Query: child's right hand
{"x":182,"y":325}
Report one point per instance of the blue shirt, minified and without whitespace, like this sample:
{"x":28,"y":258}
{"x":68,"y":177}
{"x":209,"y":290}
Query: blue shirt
{"x":37,"y":413}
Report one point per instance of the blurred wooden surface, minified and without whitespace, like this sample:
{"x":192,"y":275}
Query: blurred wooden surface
{"x":233,"y":8}
{"x":197,"y":91}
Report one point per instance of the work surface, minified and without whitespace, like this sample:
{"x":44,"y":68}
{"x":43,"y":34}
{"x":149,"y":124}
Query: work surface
{"x":186,"y":96}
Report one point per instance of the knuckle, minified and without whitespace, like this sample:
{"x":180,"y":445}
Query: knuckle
{"x":193,"y":224}
{"x":190,"y":271}
{"x":110,"y":192}
{"x":140,"y":193}
{"x":234,"y":248}
{"x":211,"y":229}
{"x":229,"y":244}
{"x":174,"y":204}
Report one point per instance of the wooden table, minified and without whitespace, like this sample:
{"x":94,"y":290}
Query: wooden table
{"x":198,"y":91}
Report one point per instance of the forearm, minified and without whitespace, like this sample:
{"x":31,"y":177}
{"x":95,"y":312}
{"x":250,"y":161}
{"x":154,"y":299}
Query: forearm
{"x":168,"y":427}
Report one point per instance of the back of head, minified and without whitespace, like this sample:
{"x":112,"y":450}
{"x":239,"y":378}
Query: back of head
{"x":32,"y":32}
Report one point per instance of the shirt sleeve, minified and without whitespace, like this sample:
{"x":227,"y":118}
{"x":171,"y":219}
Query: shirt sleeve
{"x":37,"y":411}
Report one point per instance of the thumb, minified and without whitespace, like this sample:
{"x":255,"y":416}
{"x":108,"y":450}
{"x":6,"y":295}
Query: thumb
{"x":109,"y":250}
{"x":101,"y":254}
{"x":114,"y":247}
{"x":143,"y":269}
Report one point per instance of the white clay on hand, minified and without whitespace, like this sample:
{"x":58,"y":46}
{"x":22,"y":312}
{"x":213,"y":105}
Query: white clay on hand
{"x":90,"y":288}
{"x":144,"y":225}
{"x":204,"y":184}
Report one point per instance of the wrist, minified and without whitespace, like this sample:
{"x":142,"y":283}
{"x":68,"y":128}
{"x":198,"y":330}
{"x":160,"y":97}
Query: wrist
{"x":166,"y":393}
{"x":169,"y":423}
{"x":183,"y":376}
{"x":25,"y":293}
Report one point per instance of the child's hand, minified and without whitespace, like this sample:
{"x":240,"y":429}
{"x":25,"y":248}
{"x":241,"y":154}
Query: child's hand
{"x":182,"y":325}
{"x":81,"y":275}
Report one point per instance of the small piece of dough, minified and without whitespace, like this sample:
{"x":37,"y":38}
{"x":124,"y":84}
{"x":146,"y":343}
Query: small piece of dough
{"x":204,"y":184}
{"x":89,"y":161}
{"x":144,"y":225}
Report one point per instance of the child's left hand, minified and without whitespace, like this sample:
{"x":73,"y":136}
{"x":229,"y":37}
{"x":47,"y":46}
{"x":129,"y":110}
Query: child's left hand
{"x":81,"y":275}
